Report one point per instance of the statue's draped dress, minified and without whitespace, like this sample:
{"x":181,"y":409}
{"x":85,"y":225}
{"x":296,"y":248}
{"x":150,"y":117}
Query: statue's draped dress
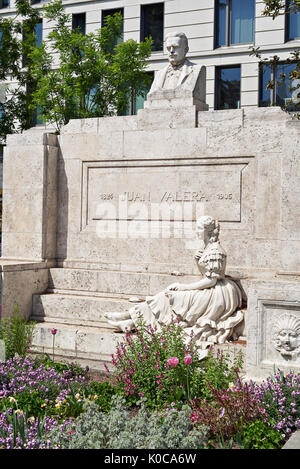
{"x":212,"y":311}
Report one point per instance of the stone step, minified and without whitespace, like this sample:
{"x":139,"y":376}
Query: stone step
{"x":113,"y":282}
{"x":86,"y":345}
{"x":93,"y":346}
{"x":80,"y":309}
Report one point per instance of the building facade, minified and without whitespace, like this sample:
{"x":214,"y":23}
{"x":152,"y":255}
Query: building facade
{"x":221,"y":34}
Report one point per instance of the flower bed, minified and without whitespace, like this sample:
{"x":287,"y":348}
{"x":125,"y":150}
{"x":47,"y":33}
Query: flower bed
{"x":159,"y":395}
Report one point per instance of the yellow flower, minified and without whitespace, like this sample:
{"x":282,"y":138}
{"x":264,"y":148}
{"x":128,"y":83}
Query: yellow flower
{"x":231,"y":386}
{"x":12,"y":400}
{"x":77,"y":396}
{"x":31,"y":419}
{"x":44,"y":404}
{"x":95,"y":396}
{"x":57,"y":405}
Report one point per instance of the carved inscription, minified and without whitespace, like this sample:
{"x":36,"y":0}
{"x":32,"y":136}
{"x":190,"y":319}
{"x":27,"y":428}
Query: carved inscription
{"x":131,"y":196}
{"x":177,"y":192}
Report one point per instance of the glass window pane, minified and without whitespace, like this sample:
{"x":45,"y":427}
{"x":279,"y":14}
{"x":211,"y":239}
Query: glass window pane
{"x":4,"y":3}
{"x":283,"y":85}
{"x":228,"y":88}
{"x":264,"y":93}
{"x":153,"y":24}
{"x":221,"y":23}
{"x":106,"y":13}
{"x":39,"y":33}
{"x":78,"y":21}
{"x":141,"y":98}
{"x":242,"y":21}
{"x":293,"y":23}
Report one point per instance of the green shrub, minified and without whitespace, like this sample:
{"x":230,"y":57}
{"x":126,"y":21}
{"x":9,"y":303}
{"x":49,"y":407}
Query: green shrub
{"x":29,"y":402}
{"x":69,"y":370}
{"x":152,"y":363}
{"x":259,"y":435}
{"x":217,"y":371}
{"x":17,"y":334}
{"x":102,"y":394}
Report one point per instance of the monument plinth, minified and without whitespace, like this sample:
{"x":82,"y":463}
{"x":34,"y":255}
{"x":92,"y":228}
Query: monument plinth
{"x":107,"y":211}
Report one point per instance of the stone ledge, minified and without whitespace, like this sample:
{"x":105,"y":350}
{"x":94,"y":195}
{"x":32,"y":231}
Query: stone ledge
{"x":12,"y":265}
{"x":293,"y":442}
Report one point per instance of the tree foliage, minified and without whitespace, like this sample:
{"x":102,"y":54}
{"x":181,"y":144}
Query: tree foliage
{"x":69,"y":75}
{"x":274,"y":8}
{"x":17,"y":38}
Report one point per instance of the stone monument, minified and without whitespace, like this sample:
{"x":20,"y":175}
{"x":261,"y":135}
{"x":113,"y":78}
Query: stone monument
{"x":103,"y":216}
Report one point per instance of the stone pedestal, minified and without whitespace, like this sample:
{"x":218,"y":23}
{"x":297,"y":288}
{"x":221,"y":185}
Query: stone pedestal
{"x":273,"y":332}
{"x":112,"y":212}
{"x":29,"y":218}
{"x":2,"y":351}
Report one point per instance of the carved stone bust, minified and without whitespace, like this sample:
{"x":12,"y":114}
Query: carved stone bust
{"x":180,"y":79}
{"x":286,"y":335}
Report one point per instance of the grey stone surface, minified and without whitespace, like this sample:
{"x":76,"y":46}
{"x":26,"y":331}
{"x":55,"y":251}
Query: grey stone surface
{"x":2,"y":351}
{"x":293,"y":442}
{"x":268,"y":302}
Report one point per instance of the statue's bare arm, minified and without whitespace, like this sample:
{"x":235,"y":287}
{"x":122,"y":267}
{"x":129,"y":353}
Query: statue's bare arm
{"x":202,"y":284}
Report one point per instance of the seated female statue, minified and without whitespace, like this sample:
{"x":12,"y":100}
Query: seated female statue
{"x":208,"y":309}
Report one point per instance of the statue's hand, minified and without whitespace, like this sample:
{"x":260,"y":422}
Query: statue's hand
{"x":198,"y":255}
{"x":176,"y":287}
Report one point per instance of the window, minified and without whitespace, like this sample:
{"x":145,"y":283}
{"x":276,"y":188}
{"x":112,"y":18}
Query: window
{"x":39,"y":32}
{"x":138,"y":101}
{"x":292,"y":22}
{"x":4,"y":3}
{"x":282,"y":89}
{"x":78,"y":22}
{"x":106,"y":13}
{"x":152,"y":24}
{"x":38,"y":29}
{"x":228,"y":87}
{"x":234,"y":22}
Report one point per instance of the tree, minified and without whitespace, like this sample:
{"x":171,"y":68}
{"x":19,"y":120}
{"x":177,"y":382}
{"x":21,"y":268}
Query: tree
{"x":274,"y":8}
{"x":17,"y":38}
{"x":69,"y":75}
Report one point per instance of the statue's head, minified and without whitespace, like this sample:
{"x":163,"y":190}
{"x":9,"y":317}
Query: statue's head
{"x":286,"y":334}
{"x":208,"y":229}
{"x":177,"y":47}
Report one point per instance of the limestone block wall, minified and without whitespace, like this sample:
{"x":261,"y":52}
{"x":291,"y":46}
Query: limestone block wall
{"x":29,"y":218}
{"x":92,"y":201}
{"x":239,"y":165}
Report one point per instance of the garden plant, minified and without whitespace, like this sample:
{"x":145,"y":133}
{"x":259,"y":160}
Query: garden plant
{"x":157,"y":394}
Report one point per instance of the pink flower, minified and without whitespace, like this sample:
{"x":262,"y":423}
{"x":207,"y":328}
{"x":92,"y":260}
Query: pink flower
{"x":53,"y":331}
{"x":173,"y":361}
{"x":187,"y":360}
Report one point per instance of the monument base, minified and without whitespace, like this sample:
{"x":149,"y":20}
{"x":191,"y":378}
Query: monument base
{"x":70,"y":252}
